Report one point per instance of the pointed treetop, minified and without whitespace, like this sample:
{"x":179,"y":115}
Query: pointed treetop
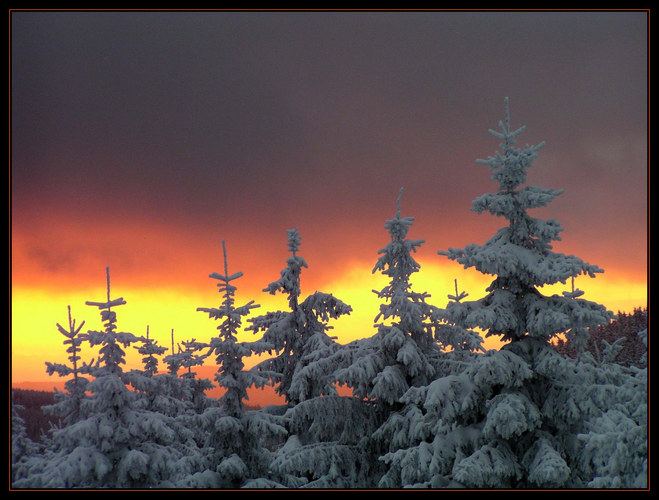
{"x":227,"y":309}
{"x":400,"y":195}
{"x":398,"y":227}
{"x":72,"y":331}
{"x":110,"y":302}
{"x":458,"y":295}
{"x":289,"y":281}
{"x":520,"y":256}
{"x":294,"y":240}
{"x":504,"y":125}
{"x":224,"y":252}
{"x":509,"y":166}
{"x":225,"y":277}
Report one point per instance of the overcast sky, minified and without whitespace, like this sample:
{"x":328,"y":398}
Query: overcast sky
{"x":244,"y":124}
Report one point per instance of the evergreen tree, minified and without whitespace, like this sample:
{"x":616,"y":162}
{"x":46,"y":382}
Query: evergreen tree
{"x":237,"y":437}
{"x":150,"y":350}
{"x":145,"y":381}
{"x":514,"y":417}
{"x":299,"y":336}
{"x":197,"y":386}
{"x":319,"y":452}
{"x":412,"y":430}
{"x":228,"y":351}
{"x":67,"y":404}
{"x":114,"y":443}
{"x":402,"y":354}
{"x":520,"y":256}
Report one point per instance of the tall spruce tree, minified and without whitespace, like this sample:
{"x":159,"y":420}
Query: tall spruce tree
{"x":520,"y":256}
{"x":229,"y":353}
{"x":299,"y":335}
{"x":410,"y":430}
{"x":237,"y":438}
{"x":146,"y":381}
{"x":319,"y":452}
{"x":516,"y":417}
{"x":403,"y":352}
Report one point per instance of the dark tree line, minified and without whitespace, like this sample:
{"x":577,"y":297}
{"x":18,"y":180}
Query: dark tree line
{"x":631,"y":350}
{"x":36,"y":420}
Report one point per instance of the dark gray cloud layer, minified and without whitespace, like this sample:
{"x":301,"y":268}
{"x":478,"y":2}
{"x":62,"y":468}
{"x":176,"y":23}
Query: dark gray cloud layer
{"x":269,"y":117}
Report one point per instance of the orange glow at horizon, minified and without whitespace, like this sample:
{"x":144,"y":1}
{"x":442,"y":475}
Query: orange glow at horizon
{"x":36,"y":310}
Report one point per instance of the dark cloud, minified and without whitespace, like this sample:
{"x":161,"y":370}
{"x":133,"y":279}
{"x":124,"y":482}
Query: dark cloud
{"x":267,"y":117}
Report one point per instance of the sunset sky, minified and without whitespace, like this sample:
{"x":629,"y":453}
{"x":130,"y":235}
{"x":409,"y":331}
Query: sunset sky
{"x":141,"y":140}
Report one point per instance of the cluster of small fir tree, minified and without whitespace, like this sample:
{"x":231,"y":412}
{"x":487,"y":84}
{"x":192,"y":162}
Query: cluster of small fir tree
{"x":113,"y":443}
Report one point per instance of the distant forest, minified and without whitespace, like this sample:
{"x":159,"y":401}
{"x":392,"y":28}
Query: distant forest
{"x":36,"y":420}
{"x":623,"y":329}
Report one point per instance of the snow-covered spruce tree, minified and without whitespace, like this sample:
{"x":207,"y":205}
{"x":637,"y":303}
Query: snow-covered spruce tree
{"x":150,"y":350}
{"x":513,"y":418}
{"x":67,"y":404}
{"x":197,"y":387}
{"x":114,"y":443}
{"x":237,"y":437}
{"x":167,"y":393}
{"x":520,"y":256}
{"x":412,"y":428}
{"x":402,"y":354}
{"x":299,"y":335}
{"x":325,"y":429}
{"x":145,"y":381}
